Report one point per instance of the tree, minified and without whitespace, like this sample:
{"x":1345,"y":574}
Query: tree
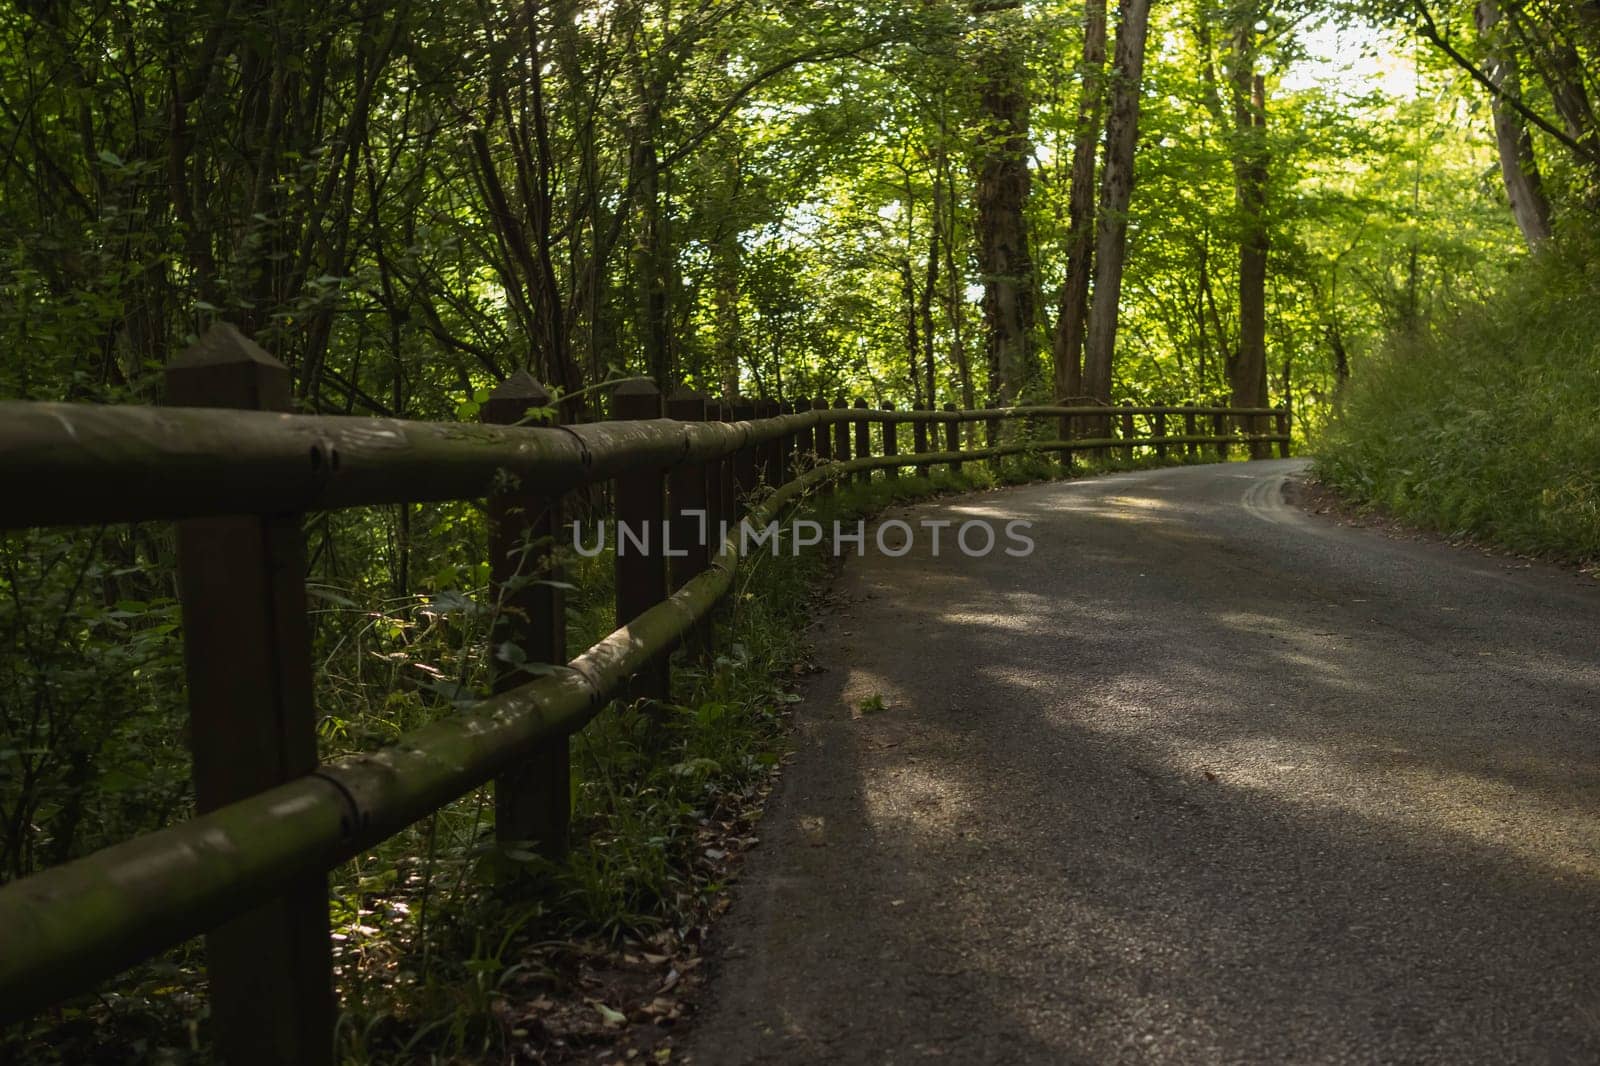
{"x":1072,"y":316}
{"x":1247,"y":366}
{"x":1518,"y":167}
{"x":1116,"y":193}
{"x":1001,"y":196}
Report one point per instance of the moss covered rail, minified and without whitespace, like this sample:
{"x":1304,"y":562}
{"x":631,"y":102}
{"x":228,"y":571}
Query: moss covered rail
{"x":250,"y":870}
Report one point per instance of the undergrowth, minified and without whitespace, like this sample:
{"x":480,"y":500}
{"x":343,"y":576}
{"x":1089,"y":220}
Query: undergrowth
{"x":448,"y":947}
{"x":1489,"y":424}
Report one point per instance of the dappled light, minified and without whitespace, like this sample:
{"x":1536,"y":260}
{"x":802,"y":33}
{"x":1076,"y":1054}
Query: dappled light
{"x":1194,"y":812}
{"x":461,"y":461}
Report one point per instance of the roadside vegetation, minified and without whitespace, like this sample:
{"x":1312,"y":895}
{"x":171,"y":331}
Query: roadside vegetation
{"x":448,"y":948}
{"x":1264,"y":202}
{"x":1488,"y":424}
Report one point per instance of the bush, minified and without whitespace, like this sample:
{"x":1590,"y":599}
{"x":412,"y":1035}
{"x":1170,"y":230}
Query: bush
{"x":1489,"y":424}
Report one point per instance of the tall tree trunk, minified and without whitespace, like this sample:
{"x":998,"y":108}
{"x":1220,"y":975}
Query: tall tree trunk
{"x":930,"y":283}
{"x":725,"y":303}
{"x":1074,"y":302}
{"x":1116,"y":192}
{"x":948,"y":221}
{"x":1247,"y":369}
{"x":1002,"y":198}
{"x":654,"y":263}
{"x":908,"y":293}
{"x":1518,"y":167}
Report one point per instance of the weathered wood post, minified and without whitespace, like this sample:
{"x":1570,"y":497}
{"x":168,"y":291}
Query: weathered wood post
{"x":252,"y":724}
{"x":788,"y":447}
{"x":1127,"y":433}
{"x":1283,"y":431}
{"x":728,"y":491}
{"x":841,"y":434}
{"x":919,"y":441}
{"x":641,"y":565}
{"x":690,"y":519}
{"x":1161,"y":432}
{"x":824,"y":438}
{"x":952,"y":438}
{"x":745,"y":473}
{"x":863,"y":442}
{"x":1257,"y":426}
{"x":1065,"y":430}
{"x":532,"y":800}
{"x":1190,"y":429}
{"x":715,"y":469}
{"x":891,"y":441}
{"x":1219,"y":430}
{"x":769,"y":454}
{"x":805,"y":441}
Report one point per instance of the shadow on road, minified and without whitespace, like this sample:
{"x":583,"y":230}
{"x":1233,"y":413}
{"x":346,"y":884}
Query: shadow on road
{"x":1186,"y":786}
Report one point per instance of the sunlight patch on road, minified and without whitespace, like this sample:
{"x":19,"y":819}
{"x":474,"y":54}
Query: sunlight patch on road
{"x":1473,"y":791}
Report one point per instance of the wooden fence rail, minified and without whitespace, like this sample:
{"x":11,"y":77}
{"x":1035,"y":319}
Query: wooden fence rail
{"x":250,"y":869}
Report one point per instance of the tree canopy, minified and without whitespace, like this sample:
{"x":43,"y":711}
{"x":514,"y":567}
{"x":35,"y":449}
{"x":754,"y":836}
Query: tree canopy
{"x":407,"y":202}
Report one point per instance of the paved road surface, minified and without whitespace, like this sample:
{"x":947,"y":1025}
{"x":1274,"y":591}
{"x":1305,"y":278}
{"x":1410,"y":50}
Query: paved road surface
{"x":1203,"y":780}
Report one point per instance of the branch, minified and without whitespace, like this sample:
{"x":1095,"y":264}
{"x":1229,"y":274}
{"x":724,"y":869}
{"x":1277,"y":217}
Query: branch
{"x":739,"y":96}
{"x":1430,"y":30}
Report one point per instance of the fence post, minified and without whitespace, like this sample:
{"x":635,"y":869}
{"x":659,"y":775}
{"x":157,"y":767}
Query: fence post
{"x":805,"y":441}
{"x":770,"y":453}
{"x":841,"y":433}
{"x":788,"y":460}
{"x":863,"y":442}
{"x":952,"y":438}
{"x":1161,"y":432}
{"x":688,"y":491}
{"x":1190,"y":429}
{"x":532,"y":799}
{"x":727,"y":494}
{"x":252,"y":723}
{"x":891,"y":442}
{"x":745,"y":473}
{"x":824,"y":438}
{"x":1219,"y":430}
{"x":1283,"y":431}
{"x":714,"y":511}
{"x":1127,"y":433}
{"x":919,"y":442}
{"x":642,"y":512}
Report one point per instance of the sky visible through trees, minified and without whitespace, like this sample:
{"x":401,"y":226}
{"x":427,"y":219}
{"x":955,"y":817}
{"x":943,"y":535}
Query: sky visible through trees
{"x":407,"y":203}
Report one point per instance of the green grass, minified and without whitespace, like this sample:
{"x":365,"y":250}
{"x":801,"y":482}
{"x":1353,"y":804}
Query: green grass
{"x":1488,"y":425}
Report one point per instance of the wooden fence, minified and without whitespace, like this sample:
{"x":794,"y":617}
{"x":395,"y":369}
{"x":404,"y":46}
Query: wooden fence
{"x":238,"y":475}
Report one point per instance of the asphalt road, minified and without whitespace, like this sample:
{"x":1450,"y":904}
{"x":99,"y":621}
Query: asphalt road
{"x":1202,"y":780}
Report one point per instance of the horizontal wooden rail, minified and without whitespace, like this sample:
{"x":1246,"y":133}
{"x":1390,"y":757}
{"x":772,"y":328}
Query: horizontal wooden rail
{"x":70,"y":926}
{"x":65,"y":928}
{"x":132,"y":464}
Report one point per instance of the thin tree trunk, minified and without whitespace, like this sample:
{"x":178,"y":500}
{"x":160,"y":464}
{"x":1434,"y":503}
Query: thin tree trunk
{"x":1116,"y":192}
{"x":908,"y":293}
{"x":1074,"y":303}
{"x":653,"y":265}
{"x":930,"y":283}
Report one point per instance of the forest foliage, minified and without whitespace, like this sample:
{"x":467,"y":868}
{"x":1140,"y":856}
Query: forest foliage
{"x":1377,"y":205}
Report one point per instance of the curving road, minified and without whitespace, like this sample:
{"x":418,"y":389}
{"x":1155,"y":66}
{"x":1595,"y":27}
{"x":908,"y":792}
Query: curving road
{"x":1202,"y":780}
